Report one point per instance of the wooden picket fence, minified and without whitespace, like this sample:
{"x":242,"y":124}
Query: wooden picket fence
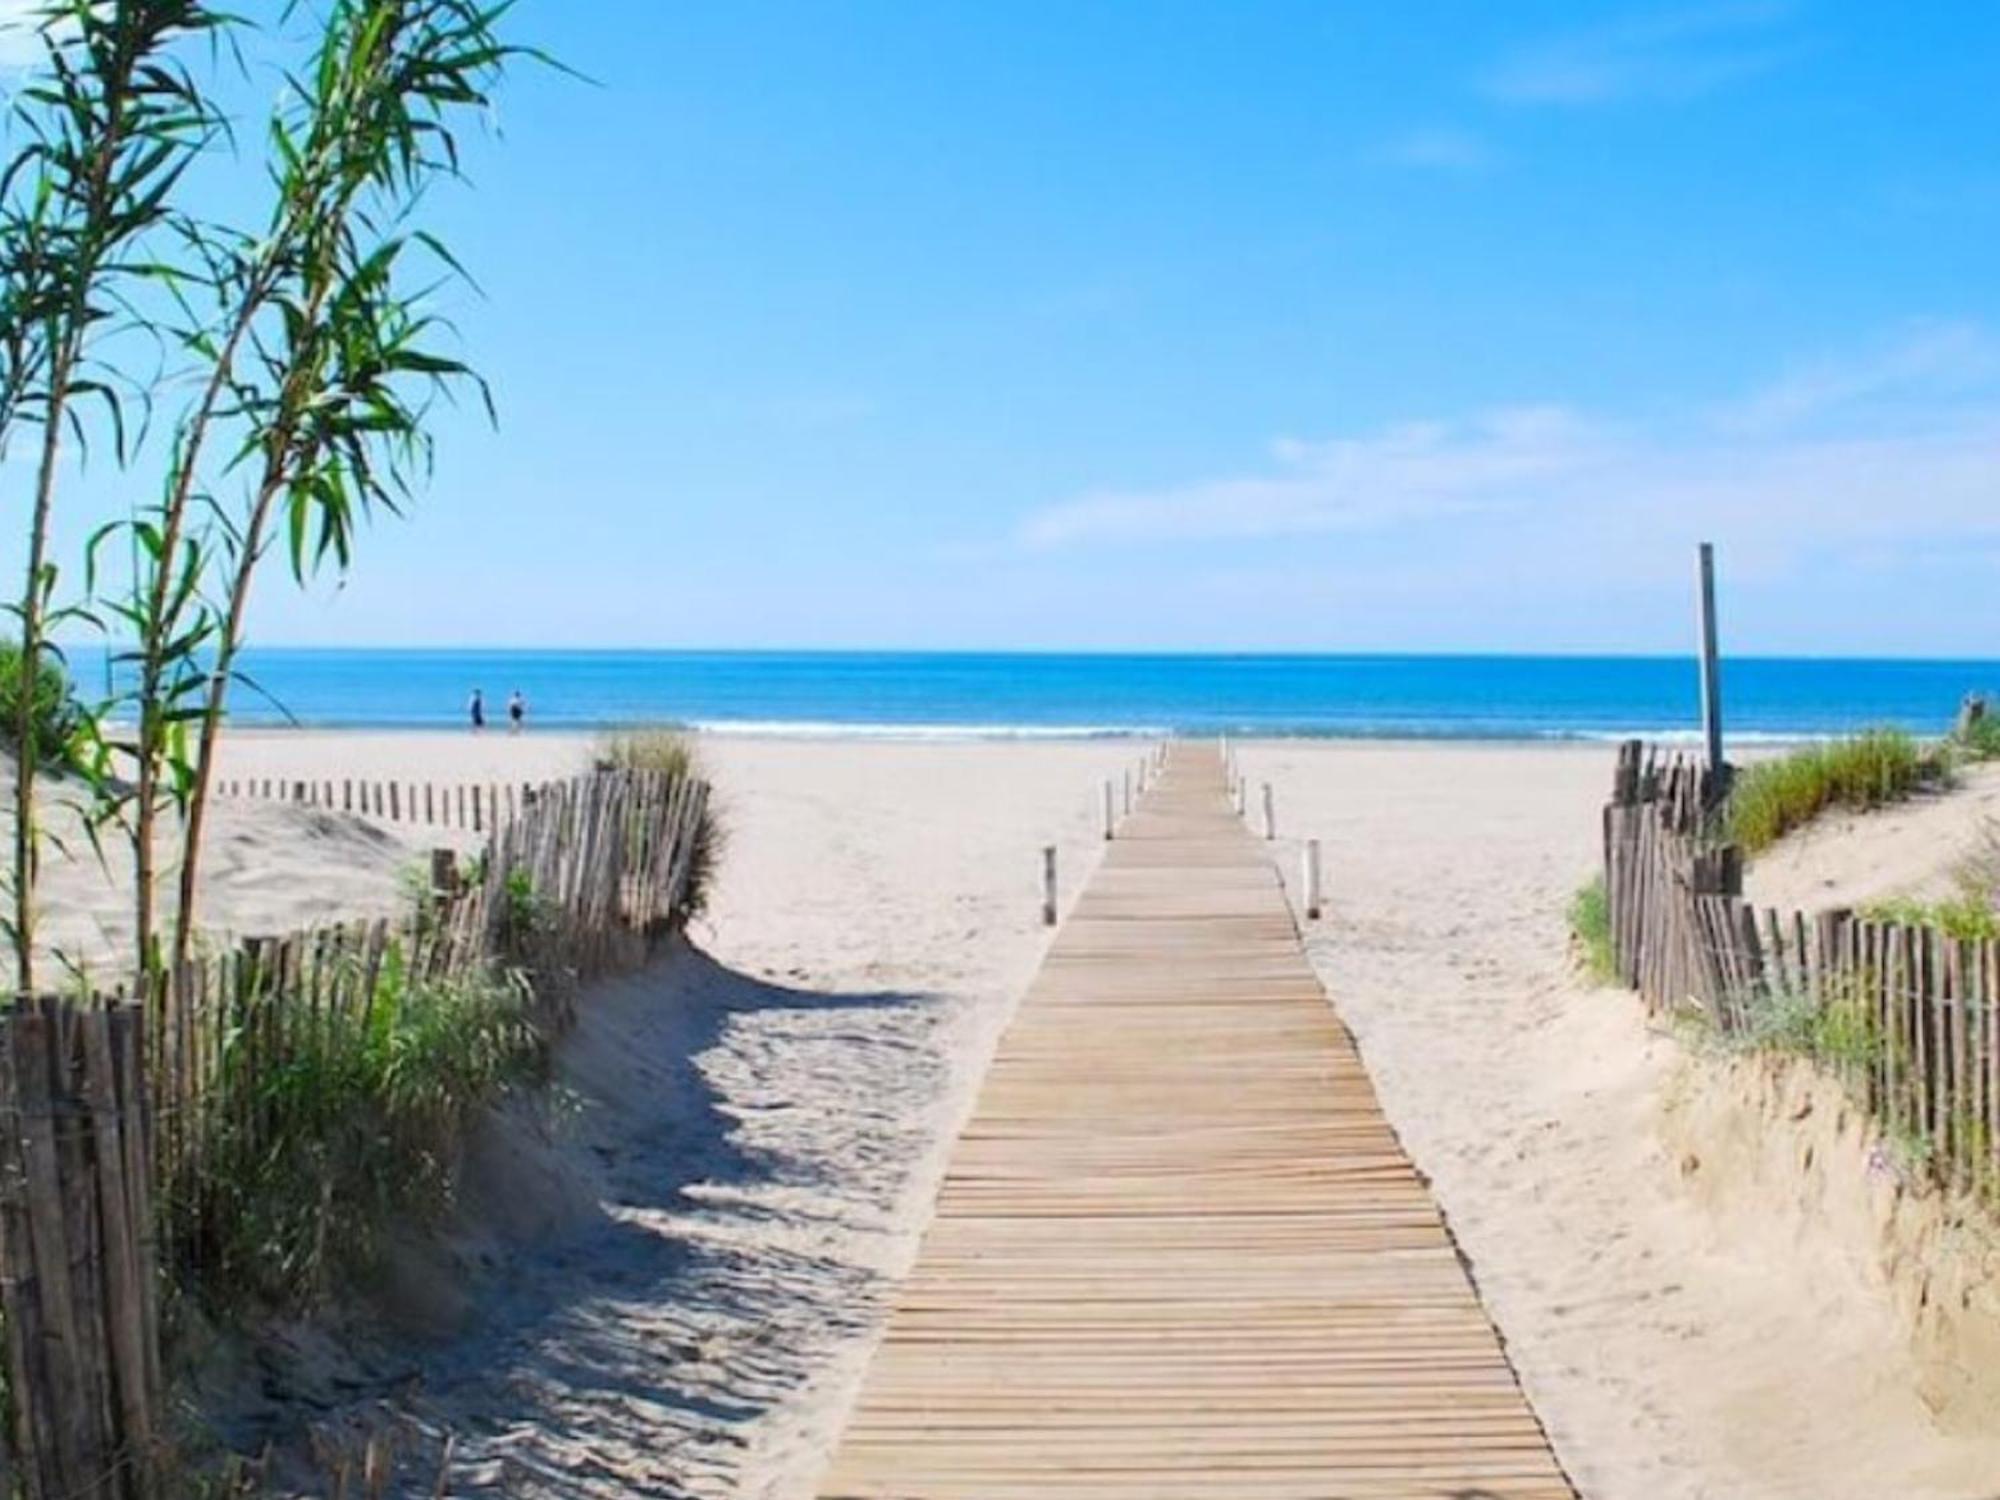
{"x":77,"y":1254}
{"x":1907,"y":1015}
{"x":105,"y":1110}
{"x":477,"y":806}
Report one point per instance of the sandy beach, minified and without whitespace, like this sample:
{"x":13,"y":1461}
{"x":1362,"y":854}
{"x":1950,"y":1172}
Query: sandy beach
{"x":677,"y":1288}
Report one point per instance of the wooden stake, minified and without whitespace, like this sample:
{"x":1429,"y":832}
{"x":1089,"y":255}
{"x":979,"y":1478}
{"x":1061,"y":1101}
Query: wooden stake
{"x":1310,"y":879}
{"x":1270,"y":814}
{"x":1110,"y":818}
{"x":1048,"y":885}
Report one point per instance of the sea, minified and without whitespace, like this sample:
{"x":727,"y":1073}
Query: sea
{"x":943,"y":695}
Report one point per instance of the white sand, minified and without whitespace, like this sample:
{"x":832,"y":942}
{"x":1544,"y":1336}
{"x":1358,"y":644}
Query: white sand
{"x":676,"y":1294}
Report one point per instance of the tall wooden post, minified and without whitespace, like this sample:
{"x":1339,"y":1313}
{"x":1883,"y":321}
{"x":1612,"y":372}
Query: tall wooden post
{"x":1310,"y":879}
{"x":1711,"y":676}
{"x":1048,"y":885}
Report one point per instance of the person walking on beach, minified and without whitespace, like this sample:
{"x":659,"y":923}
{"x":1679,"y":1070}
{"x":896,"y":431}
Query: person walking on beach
{"x":517,"y":709}
{"x":477,"y":708}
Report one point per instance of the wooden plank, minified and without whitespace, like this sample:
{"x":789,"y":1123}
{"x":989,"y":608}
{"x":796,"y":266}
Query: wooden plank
{"x":71,"y":1426}
{"x":1179,"y":1251}
{"x":123,"y":1314}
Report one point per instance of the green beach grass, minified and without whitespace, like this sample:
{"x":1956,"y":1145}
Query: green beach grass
{"x":673,"y":754}
{"x":1590,"y":926}
{"x":1858,"y":773}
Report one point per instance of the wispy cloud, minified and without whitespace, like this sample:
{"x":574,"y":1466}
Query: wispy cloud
{"x":1436,"y":149}
{"x":1414,"y":472}
{"x":1839,"y":453}
{"x":1926,"y":366}
{"x":1672,"y":54}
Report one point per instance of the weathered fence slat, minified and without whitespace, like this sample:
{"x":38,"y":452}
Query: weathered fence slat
{"x":1919,"y":1010}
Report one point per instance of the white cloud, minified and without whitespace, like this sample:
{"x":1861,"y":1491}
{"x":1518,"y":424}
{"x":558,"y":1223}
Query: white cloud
{"x":1413,"y":472}
{"x":1928,"y":365}
{"x":1674,"y":54}
{"x":1437,"y":149}
{"x":1838,"y":455}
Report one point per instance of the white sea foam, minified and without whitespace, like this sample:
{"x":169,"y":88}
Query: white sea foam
{"x":815,"y":729}
{"x":835,"y":729}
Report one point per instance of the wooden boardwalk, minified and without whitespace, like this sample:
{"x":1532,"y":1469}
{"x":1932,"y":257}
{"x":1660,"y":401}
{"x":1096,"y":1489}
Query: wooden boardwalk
{"x":1179,"y":1254}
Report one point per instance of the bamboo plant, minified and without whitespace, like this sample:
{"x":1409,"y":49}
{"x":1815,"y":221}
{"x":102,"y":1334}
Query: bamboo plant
{"x":108,"y":125}
{"x":321,"y":367}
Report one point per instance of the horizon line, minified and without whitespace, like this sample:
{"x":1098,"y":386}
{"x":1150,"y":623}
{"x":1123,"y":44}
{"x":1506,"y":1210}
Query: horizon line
{"x":1101,"y":652}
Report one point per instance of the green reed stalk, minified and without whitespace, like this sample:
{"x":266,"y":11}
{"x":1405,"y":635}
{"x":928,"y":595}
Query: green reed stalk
{"x":333,"y":365}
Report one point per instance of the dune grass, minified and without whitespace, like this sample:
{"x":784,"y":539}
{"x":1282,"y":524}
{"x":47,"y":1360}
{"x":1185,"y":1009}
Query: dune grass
{"x":358,"y":1131}
{"x":1590,"y":926}
{"x":1963,"y":916}
{"x":1979,"y":740}
{"x":1841,"y":1035}
{"x":1861,"y":772}
{"x":673,"y":754}
{"x":1971,"y":912}
{"x":664,"y":750}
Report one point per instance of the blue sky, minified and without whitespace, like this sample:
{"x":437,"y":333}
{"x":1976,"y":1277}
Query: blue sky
{"x":1425,"y":326}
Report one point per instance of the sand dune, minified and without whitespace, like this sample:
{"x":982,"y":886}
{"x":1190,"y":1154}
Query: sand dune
{"x":267,"y":868}
{"x":1853,"y":859}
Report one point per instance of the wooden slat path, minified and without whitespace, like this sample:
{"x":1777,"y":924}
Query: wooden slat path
{"x":1179,"y":1254}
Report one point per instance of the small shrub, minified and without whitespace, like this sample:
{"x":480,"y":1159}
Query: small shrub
{"x":57,"y":717}
{"x":649,"y":750}
{"x":1980,"y":740}
{"x":524,"y":916}
{"x":1861,"y":772}
{"x":1840,"y":1034}
{"x":1590,"y":925}
{"x":673,"y":754}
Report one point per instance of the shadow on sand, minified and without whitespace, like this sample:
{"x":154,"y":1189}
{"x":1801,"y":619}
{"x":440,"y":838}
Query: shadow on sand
{"x":682,"y":1270}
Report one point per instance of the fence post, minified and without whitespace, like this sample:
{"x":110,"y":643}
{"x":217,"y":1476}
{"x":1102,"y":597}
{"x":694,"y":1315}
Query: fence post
{"x":1711,"y":675}
{"x":1110,"y":817}
{"x":1311,"y":879}
{"x":1270,"y":814}
{"x":1048,"y":885}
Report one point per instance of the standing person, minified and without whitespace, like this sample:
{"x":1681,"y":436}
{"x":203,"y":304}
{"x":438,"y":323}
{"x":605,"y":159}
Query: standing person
{"x":517,"y":709}
{"x":477,"y":708}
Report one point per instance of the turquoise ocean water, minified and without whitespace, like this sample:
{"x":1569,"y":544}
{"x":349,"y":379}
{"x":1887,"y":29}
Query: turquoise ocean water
{"x":976,"y":693}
